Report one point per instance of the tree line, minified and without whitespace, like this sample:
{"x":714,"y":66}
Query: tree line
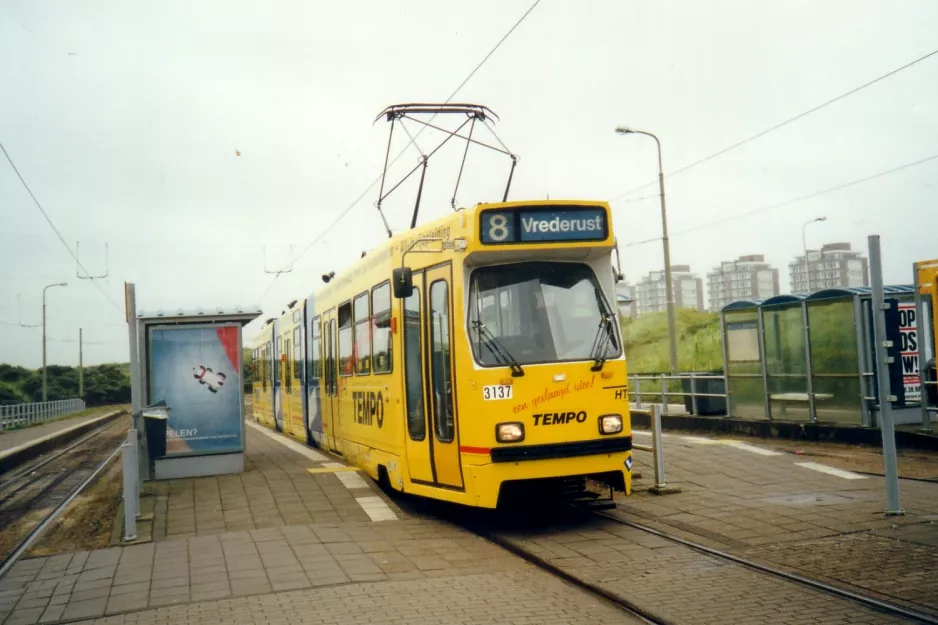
{"x":105,"y":384}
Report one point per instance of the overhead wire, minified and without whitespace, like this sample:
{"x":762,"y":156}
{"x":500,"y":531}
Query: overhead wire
{"x":778,"y":125}
{"x":413,"y":139}
{"x":58,"y":340}
{"x":789,"y":202}
{"x":52,"y":224}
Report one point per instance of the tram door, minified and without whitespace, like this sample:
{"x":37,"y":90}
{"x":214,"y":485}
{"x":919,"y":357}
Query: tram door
{"x":419,"y":460}
{"x":430,"y":384}
{"x":330,"y":381}
{"x":278,"y":377}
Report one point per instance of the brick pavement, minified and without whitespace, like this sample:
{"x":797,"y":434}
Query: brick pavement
{"x":481,"y":599}
{"x":767,"y":507}
{"x":275,"y":490}
{"x":679,"y":584}
{"x":279,"y":542}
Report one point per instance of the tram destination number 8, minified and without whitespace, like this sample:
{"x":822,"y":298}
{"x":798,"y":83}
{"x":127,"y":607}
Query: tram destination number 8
{"x":496,"y":391}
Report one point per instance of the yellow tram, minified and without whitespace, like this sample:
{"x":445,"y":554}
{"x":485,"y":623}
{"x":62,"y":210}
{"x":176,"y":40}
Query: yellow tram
{"x":469,"y":356}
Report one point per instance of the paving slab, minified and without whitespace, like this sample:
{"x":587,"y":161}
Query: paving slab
{"x":281,"y":542}
{"x":10,"y":439}
{"x":782,"y":510}
{"x":276,"y":489}
{"x":498,"y":598}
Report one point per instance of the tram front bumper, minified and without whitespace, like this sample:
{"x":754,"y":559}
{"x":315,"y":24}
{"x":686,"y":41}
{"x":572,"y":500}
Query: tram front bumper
{"x":487,"y":478}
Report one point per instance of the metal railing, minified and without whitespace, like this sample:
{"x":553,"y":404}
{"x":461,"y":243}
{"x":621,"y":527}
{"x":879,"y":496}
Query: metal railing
{"x":22,"y":415}
{"x":663,"y":386}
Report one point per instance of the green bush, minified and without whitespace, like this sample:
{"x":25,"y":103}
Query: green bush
{"x":104,"y":384}
{"x":699,"y":344}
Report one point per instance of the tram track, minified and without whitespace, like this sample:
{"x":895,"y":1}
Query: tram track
{"x":36,"y":495}
{"x":622,"y":603}
{"x":888,"y":607}
{"x":504,"y":533}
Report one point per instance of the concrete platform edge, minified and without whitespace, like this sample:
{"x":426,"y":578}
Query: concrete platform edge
{"x":24,"y":453}
{"x":790,"y":430}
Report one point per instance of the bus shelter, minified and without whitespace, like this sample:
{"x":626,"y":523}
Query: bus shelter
{"x":191,"y":370}
{"x":811,"y":358}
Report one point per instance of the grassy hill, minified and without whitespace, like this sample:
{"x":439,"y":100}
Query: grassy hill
{"x":699,"y":345}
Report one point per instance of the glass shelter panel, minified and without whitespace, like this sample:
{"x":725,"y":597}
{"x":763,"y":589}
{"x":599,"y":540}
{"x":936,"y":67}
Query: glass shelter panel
{"x":834,"y":361}
{"x":785,"y":362}
{"x":743,"y":366}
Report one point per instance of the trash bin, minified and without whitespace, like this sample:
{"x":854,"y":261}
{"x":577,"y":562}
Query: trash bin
{"x":705,"y":405}
{"x":155,"y":418}
{"x":931,"y":390}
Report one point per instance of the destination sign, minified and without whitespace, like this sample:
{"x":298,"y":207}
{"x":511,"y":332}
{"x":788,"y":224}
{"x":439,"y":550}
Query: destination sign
{"x":538,"y":225}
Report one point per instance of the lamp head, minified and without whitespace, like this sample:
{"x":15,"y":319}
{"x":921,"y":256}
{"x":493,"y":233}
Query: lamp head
{"x":624,"y":130}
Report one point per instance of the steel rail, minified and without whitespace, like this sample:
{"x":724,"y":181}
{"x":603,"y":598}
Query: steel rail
{"x":56,"y":454}
{"x":30,"y":538}
{"x":882,"y":606}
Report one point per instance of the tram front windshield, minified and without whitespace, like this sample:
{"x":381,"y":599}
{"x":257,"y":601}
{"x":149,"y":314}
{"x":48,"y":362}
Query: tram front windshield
{"x":538,"y":312}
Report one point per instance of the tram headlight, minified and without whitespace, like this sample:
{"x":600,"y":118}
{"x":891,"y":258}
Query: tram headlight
{"x":509,"y":432}
{"x":610,"y":424}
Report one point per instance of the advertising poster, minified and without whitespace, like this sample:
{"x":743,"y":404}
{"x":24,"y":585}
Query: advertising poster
{"x":197,"y":372}
{"x":908,"y":351}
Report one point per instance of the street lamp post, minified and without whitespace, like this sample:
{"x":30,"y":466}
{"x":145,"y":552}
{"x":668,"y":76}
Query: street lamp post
{"x":45,"y":386}
{"x":667,"y":251}
{"x":804,"y":244}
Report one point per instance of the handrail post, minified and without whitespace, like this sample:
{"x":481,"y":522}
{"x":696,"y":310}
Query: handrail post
{"x":656,"y":443}
{"x":664,"y":394}
{"x":693,"y":394}
{"x":661,"y":486}
{"x":129,"y":467}
{"x":638,"y":392}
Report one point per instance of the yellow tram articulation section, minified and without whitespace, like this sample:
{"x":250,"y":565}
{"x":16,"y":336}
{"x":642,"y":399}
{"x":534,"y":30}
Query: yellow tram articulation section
{"x":263,"y":406}
{"x":495,"y":358}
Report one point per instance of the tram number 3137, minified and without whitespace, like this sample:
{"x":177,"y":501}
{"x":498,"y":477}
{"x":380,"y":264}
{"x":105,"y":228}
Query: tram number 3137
{"x":496,"y":391}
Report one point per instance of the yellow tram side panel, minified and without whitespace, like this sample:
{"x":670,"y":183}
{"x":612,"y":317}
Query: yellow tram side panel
{"x":365,"y":400}
{"x":263,"y":408}
{"x":291,"y":390}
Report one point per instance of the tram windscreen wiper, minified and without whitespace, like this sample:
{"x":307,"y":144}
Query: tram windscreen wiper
{"x":601,"y":342}
{"x":498,"y":349}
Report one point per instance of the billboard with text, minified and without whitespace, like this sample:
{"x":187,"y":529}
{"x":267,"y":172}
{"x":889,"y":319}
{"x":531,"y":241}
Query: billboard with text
{"x":197,"y":372}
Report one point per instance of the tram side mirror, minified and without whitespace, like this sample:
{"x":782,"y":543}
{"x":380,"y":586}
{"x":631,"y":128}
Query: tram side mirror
{"x":403,"y":280}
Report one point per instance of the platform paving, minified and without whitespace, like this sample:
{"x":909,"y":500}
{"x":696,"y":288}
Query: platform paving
{"x":10,"y":439}
{"x":282,"y":542}
{"x":743,"y":496}
{"x":275,"y":490}
{"x":680,"y":585}
{"x":480,"y":599}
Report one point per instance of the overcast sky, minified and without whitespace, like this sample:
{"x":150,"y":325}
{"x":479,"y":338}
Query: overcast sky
{"x":127,"y":120}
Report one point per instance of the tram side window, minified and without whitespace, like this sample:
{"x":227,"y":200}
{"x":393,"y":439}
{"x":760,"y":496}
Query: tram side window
{"x":440,"y":361}
{"x":413,"y":370}
{"x":278,"y":354}
{"x":346,"y":353}
{"x":297,"y":353}
{"x":331,"y":369}
{"x":316,"y":348}
{"x":362,"y":335}
{"x":381,"y":328}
